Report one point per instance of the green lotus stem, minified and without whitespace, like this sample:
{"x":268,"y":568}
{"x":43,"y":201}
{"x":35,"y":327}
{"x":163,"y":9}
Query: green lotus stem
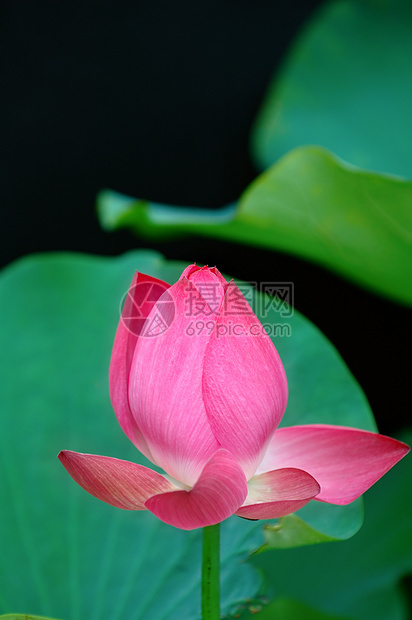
{"x":210,"y":573}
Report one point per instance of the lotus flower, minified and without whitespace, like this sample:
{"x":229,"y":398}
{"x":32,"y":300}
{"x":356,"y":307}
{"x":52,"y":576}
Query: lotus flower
{"x":199,"y":388}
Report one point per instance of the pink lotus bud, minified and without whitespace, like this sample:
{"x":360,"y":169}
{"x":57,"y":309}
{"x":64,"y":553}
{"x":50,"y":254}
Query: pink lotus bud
{"x":199,"y":388}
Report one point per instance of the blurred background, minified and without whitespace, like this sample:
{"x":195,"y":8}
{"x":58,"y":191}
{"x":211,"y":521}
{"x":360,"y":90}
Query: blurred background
{"x":156,"y":100}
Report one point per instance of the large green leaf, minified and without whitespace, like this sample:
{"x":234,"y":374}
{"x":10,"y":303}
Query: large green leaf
{"x":69,"y":555}
{"x":296,"y":530}
{"x":354,"y":222}
{"x":65,"y":554}
{"x":284,"y":609}
{"x":359,"y":578}
{"x":23,"y":617}
{"x":311,"y":204}
{"x":345,"y":85}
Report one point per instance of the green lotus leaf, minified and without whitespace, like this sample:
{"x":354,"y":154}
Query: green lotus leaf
{"x":346,"y":85}
{"x":310,"y":204}
{"x":68,"y":554}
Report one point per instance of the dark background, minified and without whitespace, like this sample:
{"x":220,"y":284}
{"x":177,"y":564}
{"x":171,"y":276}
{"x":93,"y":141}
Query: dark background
{"x":156,"y":99}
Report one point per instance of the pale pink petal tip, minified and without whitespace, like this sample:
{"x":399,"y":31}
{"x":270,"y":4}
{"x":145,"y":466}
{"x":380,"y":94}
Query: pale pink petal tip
{"x":278,"y":493}
{"x":217,"y":494}
{"x":119,"y":483}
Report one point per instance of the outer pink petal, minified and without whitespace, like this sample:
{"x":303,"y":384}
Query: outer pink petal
{"x":244,"y":382}
{"x":141,"y":297}
{"x":165,"y":389}
{"x":119,"y":483}
{"x":345,"y":461}
{"x":210,"y":286}
{"x":219,"y":276}
{"x":187,"y":272}
{"x":217,"y":494}
{"x":278,"y":493}
{"x":191,"y":269}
